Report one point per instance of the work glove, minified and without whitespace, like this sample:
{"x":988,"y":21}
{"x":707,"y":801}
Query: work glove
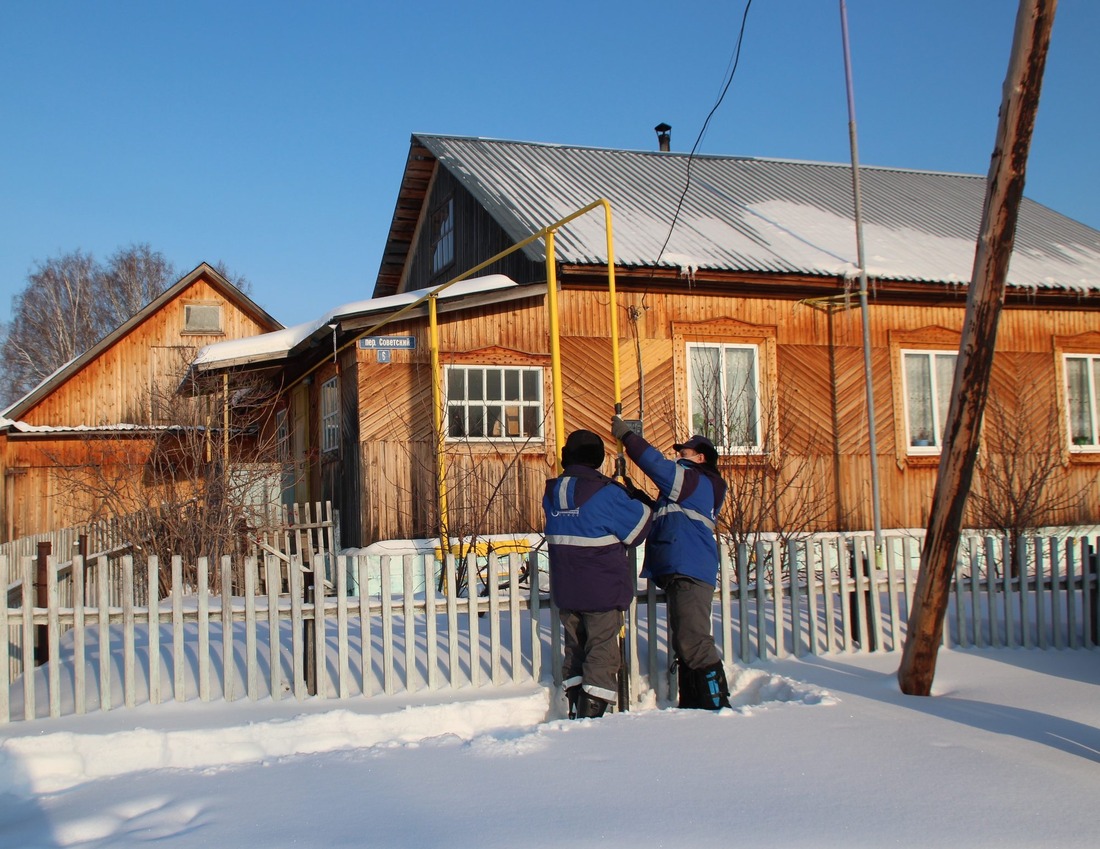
{"x":619,"y":428}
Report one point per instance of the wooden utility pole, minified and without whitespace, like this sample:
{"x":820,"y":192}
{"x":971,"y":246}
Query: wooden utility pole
{"x":1004,"y":189}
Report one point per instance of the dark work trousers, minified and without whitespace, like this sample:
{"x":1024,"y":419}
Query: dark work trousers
{"x":591,"y":647}
{"x":689,"y":621}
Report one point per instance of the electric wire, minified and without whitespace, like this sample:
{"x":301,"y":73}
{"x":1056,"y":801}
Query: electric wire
{"x":702,"y":132}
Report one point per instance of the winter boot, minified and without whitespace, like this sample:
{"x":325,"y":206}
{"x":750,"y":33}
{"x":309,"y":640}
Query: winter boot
{"x":590,"y":707}
{"x":572,"y":694}
{"x":712,"y":691}
{"x":686,"y":686}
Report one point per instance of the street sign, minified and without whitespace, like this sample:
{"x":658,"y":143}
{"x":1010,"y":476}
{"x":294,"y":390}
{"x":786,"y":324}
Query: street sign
{"x":389,"y":343}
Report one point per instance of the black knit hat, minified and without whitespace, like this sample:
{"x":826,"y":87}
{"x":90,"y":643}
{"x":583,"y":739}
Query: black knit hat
{"x":584,"y":448}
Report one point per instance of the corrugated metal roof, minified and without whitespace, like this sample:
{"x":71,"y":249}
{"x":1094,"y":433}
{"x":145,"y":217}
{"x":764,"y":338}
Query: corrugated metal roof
{"x":758,"y":215}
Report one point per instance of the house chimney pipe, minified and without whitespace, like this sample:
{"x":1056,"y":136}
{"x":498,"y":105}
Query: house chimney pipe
{"x":664,"y":136}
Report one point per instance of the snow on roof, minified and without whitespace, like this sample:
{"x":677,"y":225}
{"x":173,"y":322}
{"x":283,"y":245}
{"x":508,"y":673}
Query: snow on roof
{"x":276,"y":345}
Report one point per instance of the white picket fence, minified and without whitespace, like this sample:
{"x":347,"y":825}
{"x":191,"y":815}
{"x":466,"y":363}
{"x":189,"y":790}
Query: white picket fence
{"x":101,"y":647}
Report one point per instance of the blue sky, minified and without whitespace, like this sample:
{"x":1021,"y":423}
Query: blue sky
{"x":272,"y":135}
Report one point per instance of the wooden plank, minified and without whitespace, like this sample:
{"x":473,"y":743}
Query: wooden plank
{"x":1071,"y":592}
{"x":492,"y":591}
{"x":408,"y":611}
{"x":534,"y":603}
{"x":202,"y":567}
{"x":828,"y":591}
{"x":991,"y":592}
{"x":320,"y":618}
{"x":366,"y":669}
{"x":296,"y":590}
{"x":812,"y":588}
{"x":152,"y":574}
{"x":274,"y":641}
{"x":387,"y":628}
{"x":252,"y":668}
{"x":761,"y":604}
{"x":743,"y":603}
{"x":1056,"y":592}
{"x":845,"y":592}
{"x":343,"y":666}
{"x":778,"y":607}
{"x":104,"y":623}
{"x":53,"y":631}
{"x":796,"y":599}
{"x":178,"y":656}
{"x":1040,"y":593}
{"x":1023,"y":577}
{"x":515,"y":566}
{"x":228,"y":654}
{"x":474,"y":626}
{"x":80,"y":665}
{"x":29,"y":707}
{"x":451,"y":589}
{"x":725,"y":600}
{"x":893,"y":583}
{"x":5,"y":646}
{"x":129,"y":621}
{"x":1007,"y":592}
{"x":431,"y":625}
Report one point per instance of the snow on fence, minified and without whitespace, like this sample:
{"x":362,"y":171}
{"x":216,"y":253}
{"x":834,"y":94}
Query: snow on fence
{"x":93,"y":642}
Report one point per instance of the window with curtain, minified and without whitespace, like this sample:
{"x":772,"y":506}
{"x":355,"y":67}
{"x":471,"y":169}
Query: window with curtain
{"x":494,"y":402}
{"x":724,"y":393}
{"x":1082,"y":379}
{"x":929,"y":377}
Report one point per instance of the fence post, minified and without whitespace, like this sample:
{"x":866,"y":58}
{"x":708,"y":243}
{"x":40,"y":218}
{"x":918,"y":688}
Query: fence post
{"x":41,"y":642}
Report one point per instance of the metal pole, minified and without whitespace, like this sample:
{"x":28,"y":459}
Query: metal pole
{"x":872,"y":441}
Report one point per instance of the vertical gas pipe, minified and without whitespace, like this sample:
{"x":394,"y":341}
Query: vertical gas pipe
{"x":555,"y":347}
{"x":437,"y":418}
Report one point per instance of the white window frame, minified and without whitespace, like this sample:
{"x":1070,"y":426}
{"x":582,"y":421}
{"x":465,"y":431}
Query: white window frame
{"x":1087,"y":438}
{"x":330,"y":415}
{"x":718,"y":424}
{"x":483,"y":405}
{"x":929,"y":439}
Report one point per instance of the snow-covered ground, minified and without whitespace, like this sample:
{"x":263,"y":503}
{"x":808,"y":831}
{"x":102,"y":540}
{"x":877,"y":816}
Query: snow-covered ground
{"x":817,"y":752}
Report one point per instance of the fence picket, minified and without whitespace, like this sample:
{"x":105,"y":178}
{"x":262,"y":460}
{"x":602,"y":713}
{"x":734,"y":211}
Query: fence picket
{"x":53,"y":629}
{"x":80,"y":681}
{"x":5,"y":650}
{"x":781,"y":611}
{"x":226,"y":611}
{"x":152,"y":580}
{"x":104,"y":623}
{"x":203,"y":657}
{"x":129,"y":649}
{"x":179,"y":682}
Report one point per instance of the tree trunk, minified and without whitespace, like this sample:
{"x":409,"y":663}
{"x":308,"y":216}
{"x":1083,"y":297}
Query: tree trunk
{"x":1004,"y":189}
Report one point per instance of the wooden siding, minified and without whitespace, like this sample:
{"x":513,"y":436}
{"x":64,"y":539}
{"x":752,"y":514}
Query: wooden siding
{"x":114,"y":387}
{"x":476,"y":238}
{"x":813,"y":367}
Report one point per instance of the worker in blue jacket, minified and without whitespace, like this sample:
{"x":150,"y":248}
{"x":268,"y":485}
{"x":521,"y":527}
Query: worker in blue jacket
{"x":681,"y":556}
{"x":591,"y":522}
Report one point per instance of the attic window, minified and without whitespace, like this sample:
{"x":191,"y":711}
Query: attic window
{"x":202,"y":318}
{"x":443,"y":235}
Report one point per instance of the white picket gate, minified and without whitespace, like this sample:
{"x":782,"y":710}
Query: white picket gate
{"x":821,"y":595}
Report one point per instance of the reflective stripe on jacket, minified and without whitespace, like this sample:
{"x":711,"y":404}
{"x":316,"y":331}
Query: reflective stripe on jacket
{"x":682,"y":540}
{"x":590,"y":523}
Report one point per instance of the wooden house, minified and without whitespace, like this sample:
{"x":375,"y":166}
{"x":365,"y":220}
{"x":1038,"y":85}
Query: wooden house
{"x":736,"y":312}
{"x":110,"y":402}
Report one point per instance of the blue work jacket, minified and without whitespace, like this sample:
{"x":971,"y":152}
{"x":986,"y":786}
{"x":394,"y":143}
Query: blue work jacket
{"x":590,"y":523}
{"x":682,"y":540}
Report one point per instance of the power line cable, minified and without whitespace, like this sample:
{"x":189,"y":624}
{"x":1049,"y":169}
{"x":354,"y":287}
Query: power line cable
{"x":702,"y":132}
